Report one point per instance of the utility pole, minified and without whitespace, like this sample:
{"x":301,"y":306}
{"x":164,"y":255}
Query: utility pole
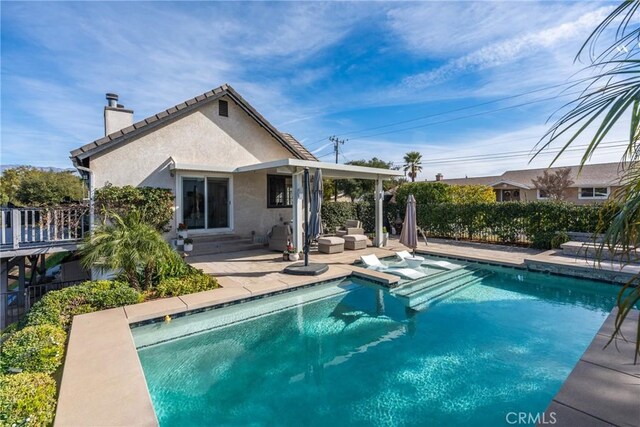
{"x":336,"y":148}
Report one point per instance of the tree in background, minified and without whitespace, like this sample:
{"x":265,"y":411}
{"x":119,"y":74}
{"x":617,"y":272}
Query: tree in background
{"x":28,"y":186}
{"x":612,"y":97}
{"x":356,"y":188}
{"x":413,"y":164}
{"x":439,"y":192}
{"x":554,"y":185}
{"x":155,"y":205}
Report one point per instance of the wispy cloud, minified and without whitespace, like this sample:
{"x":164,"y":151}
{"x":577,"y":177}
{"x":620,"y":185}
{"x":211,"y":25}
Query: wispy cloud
{"x":510,"y":50}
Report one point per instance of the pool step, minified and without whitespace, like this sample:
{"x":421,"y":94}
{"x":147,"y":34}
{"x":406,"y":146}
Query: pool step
{"x":441,"y":277}
{"x":419,"y":296}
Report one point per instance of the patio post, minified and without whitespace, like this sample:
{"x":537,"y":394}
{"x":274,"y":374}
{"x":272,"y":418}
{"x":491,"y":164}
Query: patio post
{"x":378,"y":198}
{"x":296,"y":225}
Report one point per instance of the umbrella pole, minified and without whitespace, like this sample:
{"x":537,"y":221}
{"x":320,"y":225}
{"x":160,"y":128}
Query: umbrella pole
{"x":306,"y":216}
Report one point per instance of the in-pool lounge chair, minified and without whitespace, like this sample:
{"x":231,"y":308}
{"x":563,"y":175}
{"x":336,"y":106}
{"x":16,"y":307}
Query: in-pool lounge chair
{"x":373,"y":263}
{"x":442,"y":264}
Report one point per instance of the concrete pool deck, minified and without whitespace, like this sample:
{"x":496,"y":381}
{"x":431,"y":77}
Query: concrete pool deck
{"x":103,"y":383}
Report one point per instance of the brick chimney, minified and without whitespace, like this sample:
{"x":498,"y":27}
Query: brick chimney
{"x":116,"y":117}
{"x":439,"y":177}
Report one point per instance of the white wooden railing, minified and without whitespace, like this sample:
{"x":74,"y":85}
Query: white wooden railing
{"x":28,"y":227}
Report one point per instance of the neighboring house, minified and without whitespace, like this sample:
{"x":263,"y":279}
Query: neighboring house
{"x":595,"y":183}
{"x":230,"y":169}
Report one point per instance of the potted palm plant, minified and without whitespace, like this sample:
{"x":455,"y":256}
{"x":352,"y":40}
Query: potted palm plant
{"x":188,"y":244}
{"x":294,"y":255}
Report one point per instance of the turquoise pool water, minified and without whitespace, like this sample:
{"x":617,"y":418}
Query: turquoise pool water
{"x":349,"y":353}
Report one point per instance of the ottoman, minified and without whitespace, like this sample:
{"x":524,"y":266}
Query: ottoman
{"x":331,"y":245}
{"x":355,"y":241}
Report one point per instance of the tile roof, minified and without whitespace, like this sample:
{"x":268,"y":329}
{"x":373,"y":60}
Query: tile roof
{"x":287,"y":141}
{"x":597,"y":174}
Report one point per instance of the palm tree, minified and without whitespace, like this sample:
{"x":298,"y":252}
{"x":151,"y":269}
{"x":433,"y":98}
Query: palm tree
{"x":129,"y":245}
{"x":413,"y":164}
{"x":612,"y":95}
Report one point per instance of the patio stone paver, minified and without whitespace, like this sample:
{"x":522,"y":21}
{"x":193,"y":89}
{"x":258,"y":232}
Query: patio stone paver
{"x":628,"y":327}
{"x":604,"y":384}
{"x":602,"y":393}
{"x":154,"y":309}
{"x":567,"y":416}
{"x":213,"y":297}
{"x":265,"y":288}
{"x":618,"y":355}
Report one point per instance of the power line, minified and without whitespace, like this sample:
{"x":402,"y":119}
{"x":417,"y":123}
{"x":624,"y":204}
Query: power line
{"x":513,"y":154}
{"x":455,"y":110}
{"x":481,"y":113}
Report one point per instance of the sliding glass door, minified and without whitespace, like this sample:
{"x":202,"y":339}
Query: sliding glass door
{"x":205,"y":203}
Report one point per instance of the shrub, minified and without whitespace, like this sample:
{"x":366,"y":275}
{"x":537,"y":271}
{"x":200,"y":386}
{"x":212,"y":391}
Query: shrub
{"x":173,"y":266}
{"x":335,"y":214}
{"x":34,"y":349}
{"x":27,"y":396}
{"x":105,"y":294}
{"x":195,"y":282}
{"x":560,"y":238}
{"x":58,"y":307}
{"x":534,"y":223}
{"x":154,"y":204}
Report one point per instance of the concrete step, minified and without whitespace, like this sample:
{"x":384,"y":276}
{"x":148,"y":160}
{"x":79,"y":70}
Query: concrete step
{"x":215,"y":238}
{"x":592,"y":251}
{"x":218,"y":246}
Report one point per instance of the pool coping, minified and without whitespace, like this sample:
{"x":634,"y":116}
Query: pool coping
{"x":616,"y":399}
{"x":103,"y":383}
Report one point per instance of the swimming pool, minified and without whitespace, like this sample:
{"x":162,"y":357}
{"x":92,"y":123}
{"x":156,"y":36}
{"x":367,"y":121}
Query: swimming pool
{"x":352,"y":353}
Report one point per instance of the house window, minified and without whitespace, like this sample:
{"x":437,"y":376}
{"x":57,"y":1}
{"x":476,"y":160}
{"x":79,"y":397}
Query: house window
{"x":594,"y":192}
{"x":279,"y":191}
{"x":543,"y":194}
{"x":223,"y":108}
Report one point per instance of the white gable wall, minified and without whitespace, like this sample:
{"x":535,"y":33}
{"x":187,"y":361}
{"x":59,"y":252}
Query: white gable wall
{"x":202,"y":137}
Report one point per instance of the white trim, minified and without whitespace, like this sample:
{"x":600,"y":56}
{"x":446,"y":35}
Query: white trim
{"x":512,"y":183}
{"x":179,"y":195}
{"x":328,"y":169}
{"x":200,"y":168}
{"x":594,"y":197}
{"x":540,"y":197}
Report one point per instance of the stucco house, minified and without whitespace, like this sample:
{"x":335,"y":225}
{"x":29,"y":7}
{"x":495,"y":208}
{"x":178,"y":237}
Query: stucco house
{"x":594,"y":183}
{"x":232,"y":172}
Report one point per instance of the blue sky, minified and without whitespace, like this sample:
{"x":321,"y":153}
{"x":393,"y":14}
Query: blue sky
{"x":313,"y":69}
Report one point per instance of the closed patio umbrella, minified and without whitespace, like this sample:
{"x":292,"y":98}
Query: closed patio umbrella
{"x":315,"y":222}
{"x":409,"y":234}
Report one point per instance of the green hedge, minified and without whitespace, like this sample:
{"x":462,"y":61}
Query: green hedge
{"x":34,"y":349}
{"x":438,"y":192}
{"x":192,"y":283}
{"x":155,"y":204}
{"x":531,"y":223}
{"x":335,"y":214}
{"x":25,"y":396}
{"x":58,"y":307}
{"x":538,"y":224}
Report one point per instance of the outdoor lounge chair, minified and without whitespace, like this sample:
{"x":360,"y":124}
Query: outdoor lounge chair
{"x":279,"y":236}
{"x":373,"y":263}
{"x":351,"y":226}
{"x":442,"y":264}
